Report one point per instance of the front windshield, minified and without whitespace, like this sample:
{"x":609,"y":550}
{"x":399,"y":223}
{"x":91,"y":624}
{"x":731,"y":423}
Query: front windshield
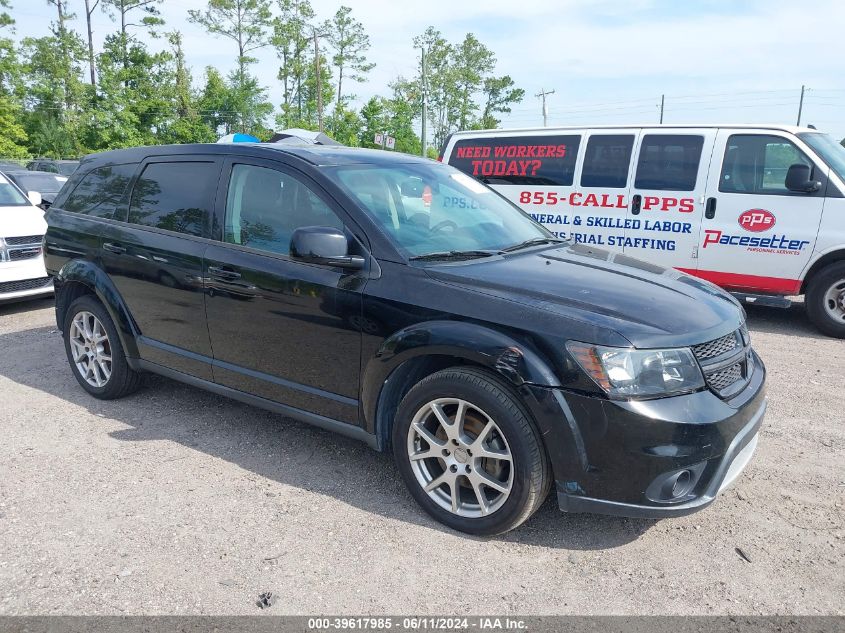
{"x":831,"y":152}
{"x":10,"y":196}
{"x":433,"y":208}
{"x":42,"y":183}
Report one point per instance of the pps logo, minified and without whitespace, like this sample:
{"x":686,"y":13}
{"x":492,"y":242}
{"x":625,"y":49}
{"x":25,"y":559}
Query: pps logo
{"x":756,"y":220}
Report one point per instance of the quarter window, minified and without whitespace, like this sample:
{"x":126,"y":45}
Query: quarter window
{"x":174,"y":196}
{"x":518,"y":160}
{"x":100,"y":191}
{"x":758,"y":163}
{"x":265,"y":206}
{"x":607,"y":161}
{"x":669,"y":162}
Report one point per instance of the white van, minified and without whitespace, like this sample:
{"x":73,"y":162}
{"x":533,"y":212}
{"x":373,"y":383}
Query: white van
{"x":22,"y":228}
{"x":758,"y":210}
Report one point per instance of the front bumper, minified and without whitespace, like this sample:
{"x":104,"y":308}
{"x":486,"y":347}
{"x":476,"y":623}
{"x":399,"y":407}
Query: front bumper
{"x":26,"y":279}
{"x":612,"y":457}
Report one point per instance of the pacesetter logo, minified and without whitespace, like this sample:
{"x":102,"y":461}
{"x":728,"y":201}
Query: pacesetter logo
{"x":756,"y":220}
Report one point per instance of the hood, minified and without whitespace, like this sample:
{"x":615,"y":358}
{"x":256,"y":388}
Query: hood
{"x":22,"y":220}
{"x":648,"y":305}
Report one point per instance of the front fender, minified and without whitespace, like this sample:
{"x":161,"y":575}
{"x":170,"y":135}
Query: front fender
{"x":517,"y":361}
{"x":95,"y":279}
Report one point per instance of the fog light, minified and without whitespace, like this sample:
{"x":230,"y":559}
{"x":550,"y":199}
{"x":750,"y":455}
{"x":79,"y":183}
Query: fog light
{"x":682,"y":484}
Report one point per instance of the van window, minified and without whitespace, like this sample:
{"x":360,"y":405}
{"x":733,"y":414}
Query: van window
{"x":265,"y":206}
{"x":607,"y":161}
{"x":174,"y":196}
{"x":757,"y":164}
{"x":669,"y":162}
{"x":518,"y":160}
{"x":100,"y":191}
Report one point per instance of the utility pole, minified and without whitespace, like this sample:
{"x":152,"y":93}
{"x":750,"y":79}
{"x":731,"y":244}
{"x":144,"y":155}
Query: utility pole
{"x":542,"y":94}
{"x":424,"y":102}
{"x":800,"y":106}
{"x":662,"y":100}
{"x":319,"y":82}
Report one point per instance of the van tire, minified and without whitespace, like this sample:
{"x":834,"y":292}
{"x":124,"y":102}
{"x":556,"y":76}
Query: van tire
{"x":825,"y":300}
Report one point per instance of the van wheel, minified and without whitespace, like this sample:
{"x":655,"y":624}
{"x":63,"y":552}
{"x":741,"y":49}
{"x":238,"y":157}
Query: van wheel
{"x":825,"y":300}
{"x":94,"y":351}
{"x":469,"y":453}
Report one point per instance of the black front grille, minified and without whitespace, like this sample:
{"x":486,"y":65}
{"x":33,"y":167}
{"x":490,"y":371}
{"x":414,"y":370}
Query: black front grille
{"x":24,"y":253}
{"x":716,"y":347}
{"x":25,"y":284}
{"x":724,"y":378}
{"x":725,"y":362}
{"x":25,"y":239}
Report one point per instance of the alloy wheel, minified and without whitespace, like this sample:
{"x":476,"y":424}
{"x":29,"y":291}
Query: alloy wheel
{"x":91,"y":349}
{"x":460,"y":457}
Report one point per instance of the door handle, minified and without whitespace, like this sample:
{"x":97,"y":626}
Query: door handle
{"x":636,"y":201}
{"x":223,"y":273}
{"x":710,"y":209}
{"x":114,"y":248}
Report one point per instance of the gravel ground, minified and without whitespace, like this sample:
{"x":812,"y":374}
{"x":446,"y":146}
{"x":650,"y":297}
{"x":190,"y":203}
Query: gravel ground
{"x":176,"y":501}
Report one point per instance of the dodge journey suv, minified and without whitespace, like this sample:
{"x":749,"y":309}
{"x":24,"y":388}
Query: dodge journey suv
{"x":398,"y":301}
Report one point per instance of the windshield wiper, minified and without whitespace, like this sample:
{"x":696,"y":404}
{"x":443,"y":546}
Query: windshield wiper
{"x":442,"y":255}
{"x":534,"y":241}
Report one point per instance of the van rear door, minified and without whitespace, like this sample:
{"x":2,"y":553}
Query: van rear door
{"x":667,"y":195}
{"x":757,"y":235}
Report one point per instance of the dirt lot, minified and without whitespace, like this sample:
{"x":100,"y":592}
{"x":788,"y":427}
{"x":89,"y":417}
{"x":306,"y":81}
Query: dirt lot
{"x":177,"y":501}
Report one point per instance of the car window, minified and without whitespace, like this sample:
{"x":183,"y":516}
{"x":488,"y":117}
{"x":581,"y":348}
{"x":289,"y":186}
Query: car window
{"x":669,"y":162}
{"x":524,"y":160}
{"x":42,"y":183}
{"x":607,"y":161}
{"x":758,"y":164}
{"x":431,"y":208}
{"x":10,"y":195}
{"x":67,"y":169}
{"x":174,"y":196}
{"x":265,"y":206}
{"x":100,"y":191}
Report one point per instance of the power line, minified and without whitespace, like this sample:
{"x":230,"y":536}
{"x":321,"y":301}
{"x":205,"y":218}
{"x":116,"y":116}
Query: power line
{"x":542,"y":94}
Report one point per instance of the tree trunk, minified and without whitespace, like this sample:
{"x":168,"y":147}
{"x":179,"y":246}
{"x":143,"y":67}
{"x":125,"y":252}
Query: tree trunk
{"x":88,"y":11}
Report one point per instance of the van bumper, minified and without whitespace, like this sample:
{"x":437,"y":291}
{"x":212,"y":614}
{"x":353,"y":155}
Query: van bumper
{"x":648,"y":459}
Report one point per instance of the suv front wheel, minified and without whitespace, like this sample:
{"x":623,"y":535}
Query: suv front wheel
{"x":469,"y":453}
{"x":94,"y":351}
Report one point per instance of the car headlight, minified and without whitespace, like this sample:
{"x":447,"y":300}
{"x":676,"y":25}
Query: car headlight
{"x":633,"y":373}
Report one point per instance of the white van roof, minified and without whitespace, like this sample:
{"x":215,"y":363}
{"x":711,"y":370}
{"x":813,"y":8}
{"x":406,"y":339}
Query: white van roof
{"x":792,"y":129}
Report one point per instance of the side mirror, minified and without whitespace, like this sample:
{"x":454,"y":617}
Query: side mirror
{"x":412,"y":188}
{"x":323,"y":245}
{"x":34,"y":197}
{"x":798,"y":178}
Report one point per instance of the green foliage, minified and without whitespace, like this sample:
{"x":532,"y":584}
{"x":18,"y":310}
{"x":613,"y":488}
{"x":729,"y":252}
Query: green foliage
{"x":60,"y":97}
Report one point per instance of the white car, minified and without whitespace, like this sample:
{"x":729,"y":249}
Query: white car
{"x":22,"y":228}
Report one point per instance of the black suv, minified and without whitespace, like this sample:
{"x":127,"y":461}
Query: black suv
{"x":398,"y":301}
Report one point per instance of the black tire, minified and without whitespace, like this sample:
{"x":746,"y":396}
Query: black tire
{"x":123,"y":379}
{"x":815,"y":300}
{"x":531,"y":471}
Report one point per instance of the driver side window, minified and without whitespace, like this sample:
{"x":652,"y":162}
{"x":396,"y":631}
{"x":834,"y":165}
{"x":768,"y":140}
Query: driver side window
{"x":265,"y":206}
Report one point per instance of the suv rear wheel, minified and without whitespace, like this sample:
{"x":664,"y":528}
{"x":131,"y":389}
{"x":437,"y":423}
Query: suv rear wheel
{"x":94,"y":351}
{"x":825,"y":300}
{"x":469,"y":453}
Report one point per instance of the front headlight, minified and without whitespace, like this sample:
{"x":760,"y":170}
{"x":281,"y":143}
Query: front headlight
{"x":632,"y":373}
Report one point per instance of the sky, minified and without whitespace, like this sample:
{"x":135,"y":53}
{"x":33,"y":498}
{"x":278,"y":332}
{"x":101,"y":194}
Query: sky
{"x":608,"y":61}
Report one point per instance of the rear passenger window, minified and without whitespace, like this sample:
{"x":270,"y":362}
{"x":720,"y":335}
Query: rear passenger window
{"x":607,"y":161}
{"x":669,"y":162}
{"x":100,"y":191}
{"x":758,"y":163}
{"x":518,"y":160}
{"x":174,"y":196}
